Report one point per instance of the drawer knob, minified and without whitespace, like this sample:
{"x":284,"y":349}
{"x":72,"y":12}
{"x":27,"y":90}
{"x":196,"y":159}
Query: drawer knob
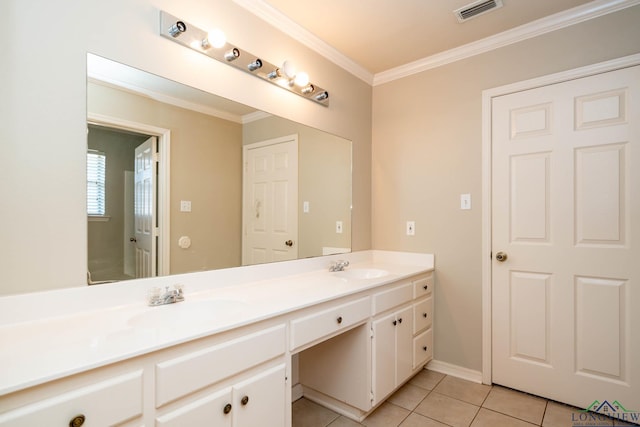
{"x":425,"y":287}
{"x":339,"y":320}
{"x":400,"y":320}
{"x":227,"y":408}
{"x":424,"y":315}
{"x":424,"y":348}
{"x":77,"y":421}
{"x":245,"y":400}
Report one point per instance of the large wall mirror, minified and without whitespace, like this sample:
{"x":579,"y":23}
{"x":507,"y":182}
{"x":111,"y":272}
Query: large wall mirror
{"x":180,"y":180}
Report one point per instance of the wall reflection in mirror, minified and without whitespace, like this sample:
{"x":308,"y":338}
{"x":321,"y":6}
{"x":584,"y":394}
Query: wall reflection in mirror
{"x":171,"y":189}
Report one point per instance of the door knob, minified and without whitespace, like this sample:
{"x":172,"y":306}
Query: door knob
{"x":289,"y":243}
{"x":501,"y":256}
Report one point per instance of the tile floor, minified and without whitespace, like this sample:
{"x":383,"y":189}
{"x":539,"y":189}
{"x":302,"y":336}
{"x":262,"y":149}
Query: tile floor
{"x":432,"y":399}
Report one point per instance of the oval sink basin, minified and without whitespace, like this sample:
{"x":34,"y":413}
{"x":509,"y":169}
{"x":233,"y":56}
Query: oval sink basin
{"x":186,"y":313}
{"x":362,"y":273}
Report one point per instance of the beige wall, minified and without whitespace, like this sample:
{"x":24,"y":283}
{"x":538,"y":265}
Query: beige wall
{"x":427,"y":151}
{"x":324,"y":180}
{"x":42,"y":156}
{"x":206,"y":169}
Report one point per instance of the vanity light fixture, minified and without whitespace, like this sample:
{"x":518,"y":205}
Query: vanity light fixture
{"x":215,"y":45}
{"x":232,"y":55}
{"x":255,"y":65}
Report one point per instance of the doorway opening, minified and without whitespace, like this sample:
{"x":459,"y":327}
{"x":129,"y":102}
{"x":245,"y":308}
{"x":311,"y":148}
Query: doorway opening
{"x":131,"y":239}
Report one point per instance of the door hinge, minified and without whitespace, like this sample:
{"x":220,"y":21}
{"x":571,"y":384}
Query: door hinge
{"x":372,"y":397}
{"x":156,"y":157}
{"x":156,"y":231}
{"x":371,"y":333}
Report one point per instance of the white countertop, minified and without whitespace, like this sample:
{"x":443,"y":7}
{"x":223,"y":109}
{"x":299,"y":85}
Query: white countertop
{"x":49,"y":335}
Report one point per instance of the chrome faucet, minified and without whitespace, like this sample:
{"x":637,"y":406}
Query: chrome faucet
{"x":339,"y":265}
{"x":169,"y":296}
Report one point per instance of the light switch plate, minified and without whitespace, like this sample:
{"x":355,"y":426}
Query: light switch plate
{"x":465,"y":201}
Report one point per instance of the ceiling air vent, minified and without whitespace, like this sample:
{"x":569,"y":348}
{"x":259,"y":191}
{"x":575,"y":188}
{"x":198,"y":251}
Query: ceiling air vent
{"x":476,"y":8}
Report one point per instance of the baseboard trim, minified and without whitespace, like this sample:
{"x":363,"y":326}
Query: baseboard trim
{"x":455,"y":371}
{"x":296,"y":392}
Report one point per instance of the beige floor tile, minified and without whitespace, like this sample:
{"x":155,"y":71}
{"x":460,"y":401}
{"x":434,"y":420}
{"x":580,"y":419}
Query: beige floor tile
{"x":306,"y":413}
{"x":487,"y":418}
{"x":344,"y":422}
{"x":408,"y":397}
{"x":516,"y":404}
{"x":559,"y":415}
{"x":416,"y":420}
{"x":387,"y":415}
{"x":447,"y":410}
{"x":466,"y":391}
{"x":427,"y":379}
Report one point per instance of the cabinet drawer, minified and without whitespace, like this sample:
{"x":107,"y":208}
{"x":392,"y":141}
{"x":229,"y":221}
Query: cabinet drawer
{"x":327,"y":322}
{"x":422,"y":315}
{"x":105,"y":403}
{"x":423,"y":286}
{"x":393,"y":297}
{"x":422,"y":348}
{"x":210,"y":409}
{"x":185,"y":374}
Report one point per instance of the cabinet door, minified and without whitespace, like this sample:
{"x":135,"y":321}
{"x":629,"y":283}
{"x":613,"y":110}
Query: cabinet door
{"x":384,"y":356}
{"x":260,"y":400}
{"x":213,"y":410}
{"x":404,"y":344}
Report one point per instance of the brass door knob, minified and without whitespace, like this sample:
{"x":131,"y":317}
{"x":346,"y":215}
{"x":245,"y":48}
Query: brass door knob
{"x":501,"y":256}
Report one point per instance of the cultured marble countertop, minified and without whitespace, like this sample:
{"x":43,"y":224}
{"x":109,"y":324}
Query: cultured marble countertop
{"x":53,"y":334}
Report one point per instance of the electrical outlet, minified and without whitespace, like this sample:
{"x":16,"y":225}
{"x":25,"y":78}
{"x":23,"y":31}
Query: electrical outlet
{"x":305,"y":207}
{"x":185,"y":206}
{"x":339,"y":227}
{"x":411,"y":228}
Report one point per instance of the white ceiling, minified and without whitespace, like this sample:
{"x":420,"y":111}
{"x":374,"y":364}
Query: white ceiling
{"x":374,"y":37}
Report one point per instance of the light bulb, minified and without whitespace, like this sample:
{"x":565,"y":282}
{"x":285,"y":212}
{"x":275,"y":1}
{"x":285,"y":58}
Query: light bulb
{"x":217,"y":38}
{"x":301,"y":79}
{"x":289,"y":69}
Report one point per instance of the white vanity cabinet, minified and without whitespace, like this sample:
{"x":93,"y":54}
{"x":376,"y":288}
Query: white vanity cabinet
{"x":109,"y":401}
{"x":258,"y":400}
{"x":402,"y":338}
{"x":233,"y":383}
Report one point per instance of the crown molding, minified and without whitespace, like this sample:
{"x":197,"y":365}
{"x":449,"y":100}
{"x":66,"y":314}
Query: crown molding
{"x":536,"y":28}
{"x":160,"y":97}
{"x":273,"y":16}
{"x":541,"y":26}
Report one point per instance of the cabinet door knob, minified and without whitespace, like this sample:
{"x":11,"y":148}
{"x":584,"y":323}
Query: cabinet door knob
{"x":227,"y":408}
{"x":395,"y":322}
{"x":339,"y":320}
{"x":77,"y":421}
{"x":424,"y":315}
{"x":400,"y":320}
{"x":424,"y":348}
{"x":244,"y":400}
{"x":425,"y":287}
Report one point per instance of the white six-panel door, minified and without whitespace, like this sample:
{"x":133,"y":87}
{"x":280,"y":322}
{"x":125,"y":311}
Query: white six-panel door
{"x":566,"y":213}
{"x":270,"y":201}
{"x":144,"y":207}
